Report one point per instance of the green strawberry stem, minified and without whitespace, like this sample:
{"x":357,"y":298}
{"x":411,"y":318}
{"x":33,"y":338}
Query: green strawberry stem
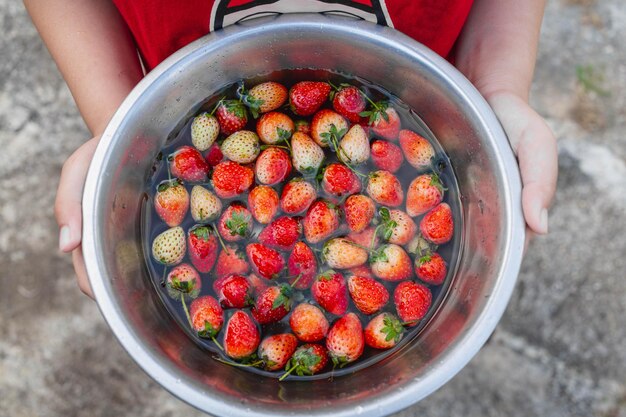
{"x":264,"y":147}
{"x":184,"y":303}
{"x":296,"y":280}
{"x":163,"y":277}
{"x":217,"y":343}
{"x":219,"y":237}
{"x":219,"y":102}
{"x":288,"y":372}
{"x":169,"y":172}
{"x":242,"y":365}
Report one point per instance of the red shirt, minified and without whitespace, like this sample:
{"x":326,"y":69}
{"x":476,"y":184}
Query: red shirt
{"x":160,"y":27}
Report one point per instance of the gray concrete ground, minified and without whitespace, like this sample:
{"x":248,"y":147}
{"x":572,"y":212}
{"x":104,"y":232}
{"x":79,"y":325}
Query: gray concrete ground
{"x":560,"y":349}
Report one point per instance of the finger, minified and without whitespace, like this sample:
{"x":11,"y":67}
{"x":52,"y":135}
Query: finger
{"x":67,"y":206}
{"x":81,"y":272}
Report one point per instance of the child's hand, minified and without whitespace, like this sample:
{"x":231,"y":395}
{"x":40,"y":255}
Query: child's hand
{"x":68,"y":208}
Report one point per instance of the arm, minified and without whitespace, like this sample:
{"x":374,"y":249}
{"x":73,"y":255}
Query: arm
{"x":96,"y":55}
{"x":497,"y":52}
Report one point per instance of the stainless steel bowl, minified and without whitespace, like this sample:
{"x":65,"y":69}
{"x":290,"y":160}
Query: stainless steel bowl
{"x":493,"y":232}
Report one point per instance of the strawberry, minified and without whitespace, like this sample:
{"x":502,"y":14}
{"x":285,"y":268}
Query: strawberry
{"x":404,"y":227}
{"x":265,"y":97}
{"x":168,"y":248}
{"x":206,"y":317}
{"x":437,"y":226}
{"x":424,"y":193}
{"x":273,"y":166}
{"x":297,"y":196}
{"x":241,"y":337}
{"x":391,"y":263}
{"x":354,"y":147}
{"x":282,"y":233}
{"x":231,"y":179}
{"x":188,"y":164}
{"x":368,"y":295}
{"x":276,"y":350}
{"x":203,"y":247}
{"x":263,"y":203}
{"x":419,"y":246}
{"x":368,"y":238}
{"x":386,"y":155}
{"x":431,"y":268}
{"x":205,"y":206}
{"x":183,"y":280}
{"x":231,"y":261}
{"x":257,"y":284}
{"x":214,"y":156}
{"x":308,"y":323}
{"x":274,"y":127}
{"x":302,"y":126}
{"x":233,"y":291}
{"x":328,"y":127}
{"x":306,"y":155}
{"x":359,"y":211}
{"x":204,"y":130}
{"x":361,"y":271}
{"x":329,"y":291}
{"x":417,"y":150}
{"x":384,"y":188}
{"x":272,"y":304}
{"x":320,"y":221}
{"x":302,"y":266}
{"x":338,"y":180}
{"x":384,"y":331}
{"x":265,"y":262}
{"x":306,"y":97}
{"x":342,"y":253}
{"x":384,"y":121}
{"x":349,"y":102}
{"x":235,"y":223}
{"x":308,"y":359}
{"x":171,"y":202}
{"x":412,"y":302}
{"x":345,"y":340}
{"x":242,"y":147}
{"x":231,"y":115}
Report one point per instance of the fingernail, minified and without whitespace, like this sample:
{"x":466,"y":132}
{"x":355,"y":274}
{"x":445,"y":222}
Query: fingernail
{"x":64,"y":237}
{"x":543,"y":220}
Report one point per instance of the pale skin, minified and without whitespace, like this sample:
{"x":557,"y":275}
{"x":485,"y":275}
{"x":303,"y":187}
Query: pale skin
{"x":94,"y":51}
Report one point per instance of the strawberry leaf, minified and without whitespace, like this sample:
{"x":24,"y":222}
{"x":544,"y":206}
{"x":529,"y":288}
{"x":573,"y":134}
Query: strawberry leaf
{"x":238,"y":224}
{"x":202,"y":232}
{"x":392,"y":328}
{"x":208,"y":332}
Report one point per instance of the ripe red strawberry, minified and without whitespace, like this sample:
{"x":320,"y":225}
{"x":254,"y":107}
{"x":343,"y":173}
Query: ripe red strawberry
{"x":437,"y":225}
{"x":183,"y":280}
{"x":276,"y":350}
{"x":231,"y":261}
{"x":361,"y":271}
{"x":168,"y":248}
{"x":338,"y":180}
{"x":282,"y":233}
{"x":412,"y":302}
{"x":321,"y":221}
{"x":385,"y":189}
{"x":263,"y":203}
{"x":297,"y":196}
{"x":404,"y":228}
{"x":368,"y":295}
{"x":342,"y":253}
{"x":274,"y":127}
{"x":386,"y":155}
{"x":417,"y":150}
{"x":233,"y":291}
{"x":308,"y":359}
{"x":345,"y":340}
{"x":359,"y":211}
{"x":329,"y":291}
{"x":272,"y":304}
{"x":306,"y":97}
{"x":384,"y":331}
{"x":354,"y":147}
{"x":431,"y":268}
{"x":306,"y":155}
{"x":308,"y":323}
{"x":265,"y":262}
{"x":241,"y":147}
{"x":368,"y":238}
{"x":205,"y":206}
{"x":241,"y":337}
{"x":391,"y":263}
{"x":204,"y":130}
{"x":265,"y":97}
{"x":206,"y":316}
{"x":214,"y":156}
{"x":424,"y":193}
{"x":302,"y":266}
{"x":231,"y":115}
{"x":203,"y":248}
{"x":272,"y":166}
{"x":231,"y":179}
{"x":188,"y":164}
{"x":386,"y":122}
{"x":235,"y":223}
{"x":171,"y":202}
{"x":328,"y":127}
{"x":257,"y":284}
{"x":349,"y":102}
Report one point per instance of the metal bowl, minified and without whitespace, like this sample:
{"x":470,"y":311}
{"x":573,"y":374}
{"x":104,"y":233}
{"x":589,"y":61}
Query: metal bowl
{"x":489,"y":183}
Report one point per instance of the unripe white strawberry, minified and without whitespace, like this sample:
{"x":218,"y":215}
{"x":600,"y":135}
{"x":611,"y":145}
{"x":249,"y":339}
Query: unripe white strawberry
{"x":242,"y":147}
{"x":341,"y":253}
{"x":205,"y":206}
{"x":354,"y":148}
{"x":169,"y":247}
{"x":306,"y":155}
{"x":404,"y":228}
{"x":204,"y":131}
